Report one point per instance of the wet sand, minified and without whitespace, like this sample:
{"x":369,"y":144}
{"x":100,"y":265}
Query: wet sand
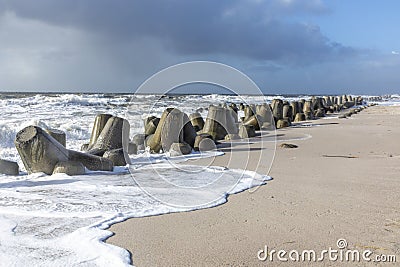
{"x":343,"y":182}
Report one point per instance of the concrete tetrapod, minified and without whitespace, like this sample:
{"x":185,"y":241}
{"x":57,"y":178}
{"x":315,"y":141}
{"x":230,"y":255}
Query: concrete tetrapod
{"x":155,"y":141}
{"x":58,"y":135}
{"x":40,"y":152}
{"x":114,"y":135}
{"x":178,"y":149}
{"x":99,"y":123}
{"x":267,"y":118}
{"x":189,"y":132}
{"x":256,"y":121}
{"x":220,"y":122}
{"x":197,"y":121}
{"x":8,"y":167}
{"x":308,"y":111}
{"x":299,"y":117}
{"x":288,"y":112}
{"x":150,"y":125}
{"x":69,"y":167}
{"x":172,"y":131}
{"x":247,"y":131}
{"x":119,"y":157}
{"x":277,"y":109}
{"x":204,"y":142}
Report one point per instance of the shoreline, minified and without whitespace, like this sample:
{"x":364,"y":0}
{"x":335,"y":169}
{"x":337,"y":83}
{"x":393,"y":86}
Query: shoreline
{"x":312,"y":201}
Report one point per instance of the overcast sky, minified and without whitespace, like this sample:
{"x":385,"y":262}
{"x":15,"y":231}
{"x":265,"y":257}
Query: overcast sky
{"x":285,"y":46}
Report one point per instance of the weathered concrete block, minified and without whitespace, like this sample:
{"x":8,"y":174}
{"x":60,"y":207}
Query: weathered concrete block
{"x":172,"y":131}
{"x":349,"y":104}
{"x":119,"y":157}
{"x":69,"y":167}
{"x":219,"y":123}
{"x":38,"y":150}
{"x":197,"y":121}
{"x":150,"y":126}
{"x":277,"y":109}
{"x":91,"y":162}
{"x":189,"y":132}
{"x":319,"y":113}
{"x":316,"y":103}
{"x":308,"y":111}
{"x":255,"y":121}
{"x":214,"y":123}
{"x":248,"y":112}
{"x":139,"y":140}
{"x":174,"y":127}
{"x":234,"y":112}
{"x":282,"y":123}
{"x":299,"y":117}
{"x":99,"y":123}
{"x":8,"y":167}
{"x":58,"y":135}
{"x":309,"y":115}
{"x":204,"y":142}
{"x":114,"y":135}
{"x":307,"y":107}
{"x":178,"y":149}
{"x":148,"y":140}
{"x":288,"y":112}
{"x":295,"y":108}
{"x":247,"y":131}
{"x":132,"y":148}
{"x":266,"y":116}
{"x":328,"y":101}
{"x":155,"y":141}
{"x":230,"y":137}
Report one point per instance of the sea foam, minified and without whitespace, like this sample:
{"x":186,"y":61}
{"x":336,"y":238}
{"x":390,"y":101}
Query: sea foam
{"x":60,"y":220}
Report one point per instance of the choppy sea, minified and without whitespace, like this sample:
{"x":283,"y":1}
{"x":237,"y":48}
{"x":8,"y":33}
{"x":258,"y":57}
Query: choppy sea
{"x":62,"y":220}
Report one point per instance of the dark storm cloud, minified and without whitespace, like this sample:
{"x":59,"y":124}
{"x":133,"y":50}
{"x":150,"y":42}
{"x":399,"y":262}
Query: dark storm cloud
{"x":253,"y":29}
{"x":113,"y":46}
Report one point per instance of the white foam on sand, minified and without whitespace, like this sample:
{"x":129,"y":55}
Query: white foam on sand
{"x":61,"y":220}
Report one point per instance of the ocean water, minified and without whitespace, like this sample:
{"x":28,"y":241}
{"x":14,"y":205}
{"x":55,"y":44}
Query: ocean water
{"x":60,"y":220}
{"x":385,"y":100}
{"x":74,"y":113}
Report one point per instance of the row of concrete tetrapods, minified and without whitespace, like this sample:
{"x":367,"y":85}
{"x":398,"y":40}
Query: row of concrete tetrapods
{"x":174,"y":132}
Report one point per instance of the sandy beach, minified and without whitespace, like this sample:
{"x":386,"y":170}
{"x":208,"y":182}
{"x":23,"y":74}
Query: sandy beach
{"x":342,"y":183}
